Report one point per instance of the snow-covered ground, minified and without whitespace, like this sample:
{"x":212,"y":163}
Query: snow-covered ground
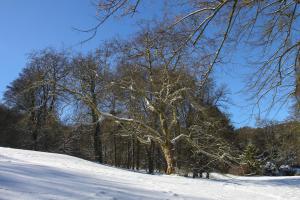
{"x":39,"y":176}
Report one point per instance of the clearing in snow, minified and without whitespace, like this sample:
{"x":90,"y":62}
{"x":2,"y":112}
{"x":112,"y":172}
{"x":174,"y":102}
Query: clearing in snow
{"x":44,"y":176}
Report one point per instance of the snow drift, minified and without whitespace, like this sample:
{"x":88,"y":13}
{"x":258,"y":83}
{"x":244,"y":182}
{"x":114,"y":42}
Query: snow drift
{"x":31,"y":175}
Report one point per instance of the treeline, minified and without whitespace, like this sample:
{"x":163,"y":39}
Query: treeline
{"x":270,"y":147}
{"x":133,"y":104}
{"x":149,"y":103}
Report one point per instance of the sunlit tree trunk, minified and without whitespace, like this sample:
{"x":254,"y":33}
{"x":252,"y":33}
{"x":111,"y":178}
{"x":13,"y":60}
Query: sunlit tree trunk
{"x":167,"y":150}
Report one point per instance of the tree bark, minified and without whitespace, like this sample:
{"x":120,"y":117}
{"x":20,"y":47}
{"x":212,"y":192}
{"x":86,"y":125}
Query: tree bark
{"x":128,"y":154}
{"x":137,"y":155}
{"x":95,"y":118}
{"x":34,"y":138}
{"x":150,"y":158}
{"x":115,"y":150}
{"x":169,"y":157}
{"x":97,"y":143}
{"x":132,"y":153}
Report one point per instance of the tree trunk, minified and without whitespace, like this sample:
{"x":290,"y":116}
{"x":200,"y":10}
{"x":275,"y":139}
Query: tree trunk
{"x":132,"y":153}
{"x":150,"y":158}
{"x":128,"y":154}
{"x":137,"y":155}
{"x":115,"y":150}
{"x":95,"y":118}
{"x":34,"y":138}
{"x":97,"y":143}
{"x":104,"y":153}
{"x":158,"y":159}
{"x":169,"y":157}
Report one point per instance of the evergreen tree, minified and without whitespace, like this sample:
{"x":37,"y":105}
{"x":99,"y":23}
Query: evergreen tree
{"x":249,"y":158}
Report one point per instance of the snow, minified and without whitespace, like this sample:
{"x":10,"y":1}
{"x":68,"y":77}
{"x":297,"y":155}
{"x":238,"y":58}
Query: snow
{"x":30,"y":175}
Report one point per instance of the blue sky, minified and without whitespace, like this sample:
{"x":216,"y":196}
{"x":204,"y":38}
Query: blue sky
{"x":35,"y":24}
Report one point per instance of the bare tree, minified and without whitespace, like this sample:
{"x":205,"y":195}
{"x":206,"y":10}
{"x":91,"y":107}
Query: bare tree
{"x":36,"y":92}
{"x":87,"y":84}
{"x":270,"y":28}
{"x":153,"y":83}
{"x":157,"y":85}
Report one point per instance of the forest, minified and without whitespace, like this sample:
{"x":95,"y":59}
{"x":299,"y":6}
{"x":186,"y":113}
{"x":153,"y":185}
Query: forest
{"x":142,"y":118}
{"x":151,"y":102}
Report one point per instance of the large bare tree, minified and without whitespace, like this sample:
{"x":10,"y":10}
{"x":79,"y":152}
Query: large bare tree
{"x":268,"y":28}
{"x":157,"y":85}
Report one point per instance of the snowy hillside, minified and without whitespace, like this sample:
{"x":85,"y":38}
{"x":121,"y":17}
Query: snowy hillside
{"x":37,"y":175}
